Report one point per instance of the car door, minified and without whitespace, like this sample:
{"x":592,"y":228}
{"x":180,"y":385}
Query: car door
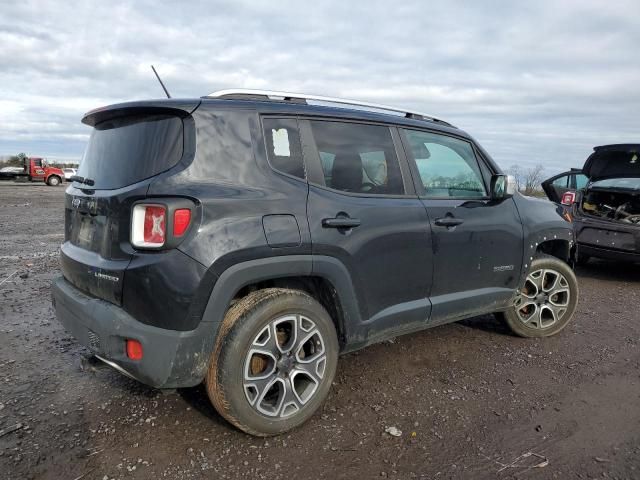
{"x":477,"y":242}
{"x":559,"y":185}
{"x":555,"y":187}
{"x":38,"y":172}
{"x":363,"y":212}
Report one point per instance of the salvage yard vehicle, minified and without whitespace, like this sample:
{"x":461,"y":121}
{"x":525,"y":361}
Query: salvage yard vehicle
{"x":247,"y":238}
{"x":34,"y":169}
{"x":606,"y":213}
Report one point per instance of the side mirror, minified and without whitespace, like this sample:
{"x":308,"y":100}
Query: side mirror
{"x":502,"y":186}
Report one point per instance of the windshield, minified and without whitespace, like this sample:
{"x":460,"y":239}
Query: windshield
{"x":624,"y":183}
{"x":128,"y":149}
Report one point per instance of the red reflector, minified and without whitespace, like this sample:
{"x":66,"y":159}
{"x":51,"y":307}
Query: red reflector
{"x":568,"y":198}
{"x":181,"y":220}
{"x":134,"y":349}
{"x":154,"y":225}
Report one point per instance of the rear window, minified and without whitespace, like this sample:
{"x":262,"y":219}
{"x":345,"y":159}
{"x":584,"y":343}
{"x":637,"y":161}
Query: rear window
{"x":128,"y":149}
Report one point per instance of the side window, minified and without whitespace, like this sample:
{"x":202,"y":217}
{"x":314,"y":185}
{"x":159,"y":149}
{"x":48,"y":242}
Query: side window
{"x":562,"y":182}
{"x":37,"y":162}
{"x":448,"y":166}
{"x":283,"y":145}
{"x":358,"y":158}
{"x":581,"y":181}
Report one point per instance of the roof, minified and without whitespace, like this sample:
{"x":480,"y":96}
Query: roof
{"x":302,"y":109}
{"x":186,"y":106}
{"x":304,"y":98}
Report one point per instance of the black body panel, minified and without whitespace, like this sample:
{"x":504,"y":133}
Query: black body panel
{"x":389,"y":256}
{"x":477,"y":263}
{"x":95,"y":253}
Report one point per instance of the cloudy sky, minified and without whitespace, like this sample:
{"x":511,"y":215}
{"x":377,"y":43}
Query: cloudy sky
{"x":542,"y":82}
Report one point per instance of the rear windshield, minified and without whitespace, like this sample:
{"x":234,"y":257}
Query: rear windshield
{"x":128,"y":149}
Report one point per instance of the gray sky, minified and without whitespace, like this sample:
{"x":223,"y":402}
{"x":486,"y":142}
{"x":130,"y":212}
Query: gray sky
{"x":538,"y":82}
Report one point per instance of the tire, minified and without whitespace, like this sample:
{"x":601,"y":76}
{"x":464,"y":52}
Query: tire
{"x":251,"y":382}
{"x":543,"y":312}
{"x":54,"y":181}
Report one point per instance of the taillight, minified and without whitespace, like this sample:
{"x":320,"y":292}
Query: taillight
{"x":568,"y":198}
{"x":181,"y":221}
{"x":148,"y":225}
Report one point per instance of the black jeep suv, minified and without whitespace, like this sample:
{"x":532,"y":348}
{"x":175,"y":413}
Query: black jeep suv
{"x":248,"y":238}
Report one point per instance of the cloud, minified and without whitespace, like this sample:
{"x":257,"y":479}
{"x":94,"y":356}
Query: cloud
{"x":540,"y":82}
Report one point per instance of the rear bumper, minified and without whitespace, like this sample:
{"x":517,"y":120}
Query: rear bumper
{"x":171,"y":358}
{"x":607,"y":239}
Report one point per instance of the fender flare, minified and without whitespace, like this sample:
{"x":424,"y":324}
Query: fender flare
{"x":245,"y":273}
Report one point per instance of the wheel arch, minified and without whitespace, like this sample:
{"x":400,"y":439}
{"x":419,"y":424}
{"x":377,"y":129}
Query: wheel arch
{"x":559,"y":248}
{"x":324,"y":278}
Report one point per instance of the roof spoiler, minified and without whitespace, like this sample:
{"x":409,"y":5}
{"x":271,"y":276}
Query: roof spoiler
{"x":181,"y":108}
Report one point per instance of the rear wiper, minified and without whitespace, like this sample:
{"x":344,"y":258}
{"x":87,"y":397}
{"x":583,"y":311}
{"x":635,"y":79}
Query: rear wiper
{"x":86,"y":181}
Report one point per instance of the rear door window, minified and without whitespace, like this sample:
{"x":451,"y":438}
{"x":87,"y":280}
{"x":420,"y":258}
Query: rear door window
{"x":283,"y":145}
{"x":358,"y":158}
{"x":128,"y":149}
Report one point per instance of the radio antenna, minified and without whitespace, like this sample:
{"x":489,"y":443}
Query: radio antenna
{"x":161,"y":84}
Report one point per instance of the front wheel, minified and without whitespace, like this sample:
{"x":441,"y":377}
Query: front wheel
{"x":547,"y":301}
{"x":274,"y":361}
{"x":53,"y":181}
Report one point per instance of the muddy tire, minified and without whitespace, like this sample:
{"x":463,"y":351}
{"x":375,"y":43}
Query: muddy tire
{"x":547,"y":301}
{"x":54,"y":181}
{"x":273,"y":363}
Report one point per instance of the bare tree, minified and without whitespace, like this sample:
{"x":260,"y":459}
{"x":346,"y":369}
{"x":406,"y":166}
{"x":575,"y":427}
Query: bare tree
{"x":518,"y":174}
{"x":533,"y":177}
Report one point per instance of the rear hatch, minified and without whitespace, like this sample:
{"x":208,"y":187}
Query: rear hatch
{"x":613,"y":161}
{"x":127,"y":148}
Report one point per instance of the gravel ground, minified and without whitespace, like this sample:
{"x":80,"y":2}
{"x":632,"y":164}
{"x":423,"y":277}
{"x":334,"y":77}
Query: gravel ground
{"x":470,"y":400}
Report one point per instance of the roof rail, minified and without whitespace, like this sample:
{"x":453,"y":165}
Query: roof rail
{"x":252,"y":94}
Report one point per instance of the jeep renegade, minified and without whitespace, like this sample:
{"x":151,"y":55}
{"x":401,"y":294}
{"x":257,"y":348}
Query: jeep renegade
{"x":247,"y":238}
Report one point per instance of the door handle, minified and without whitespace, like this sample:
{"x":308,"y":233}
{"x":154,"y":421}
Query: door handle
{"x":448,"y":222}
{"x":341,"y":222}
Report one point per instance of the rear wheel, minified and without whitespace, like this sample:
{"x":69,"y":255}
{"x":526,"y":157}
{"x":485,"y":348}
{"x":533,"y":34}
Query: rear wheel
{"x":274,"y":361}
{"x":547,"y":301}
{"x":53,"y":181}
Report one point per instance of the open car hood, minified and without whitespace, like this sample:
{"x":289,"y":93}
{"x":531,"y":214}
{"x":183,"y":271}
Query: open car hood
{"x":613,"y":161}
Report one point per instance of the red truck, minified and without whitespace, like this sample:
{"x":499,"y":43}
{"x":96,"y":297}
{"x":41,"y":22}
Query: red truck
{"x":35,"y":169}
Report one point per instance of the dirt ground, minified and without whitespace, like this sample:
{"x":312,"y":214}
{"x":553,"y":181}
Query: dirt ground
{"x":471,"y":400}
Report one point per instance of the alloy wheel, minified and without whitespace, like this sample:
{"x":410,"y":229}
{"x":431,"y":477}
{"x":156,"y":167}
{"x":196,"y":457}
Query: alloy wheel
{"x":544,"y":299}
{"x":284,"y":366}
